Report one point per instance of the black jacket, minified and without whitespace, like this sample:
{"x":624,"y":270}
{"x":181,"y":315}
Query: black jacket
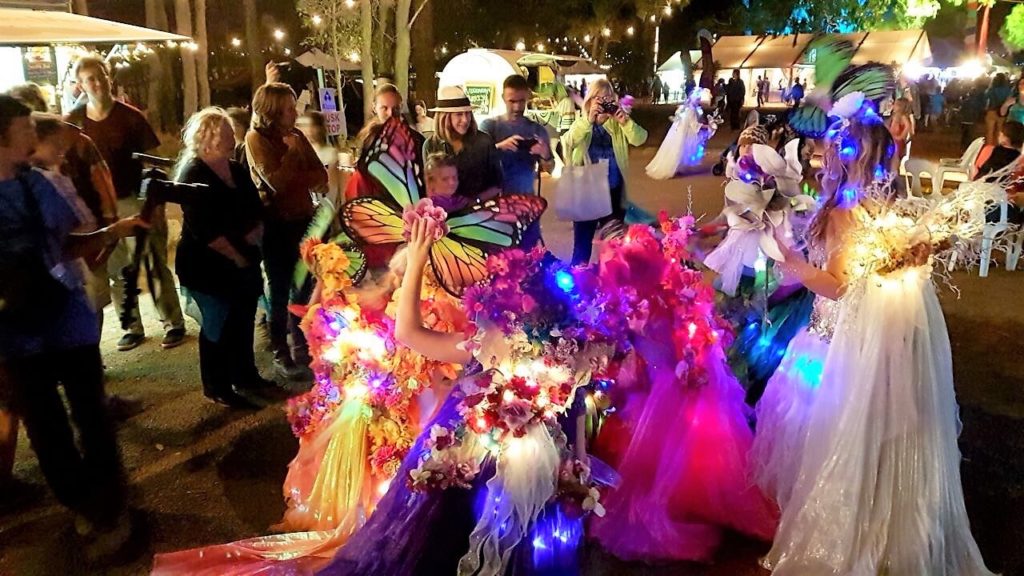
{"x":221,"y":211}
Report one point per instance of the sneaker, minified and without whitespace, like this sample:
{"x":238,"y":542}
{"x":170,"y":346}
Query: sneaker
{"x":130,"y":341}
{"x":175,"y":337}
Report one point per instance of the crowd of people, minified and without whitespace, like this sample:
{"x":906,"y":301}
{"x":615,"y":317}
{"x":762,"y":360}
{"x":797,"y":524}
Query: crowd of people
{"x":460,"y":426}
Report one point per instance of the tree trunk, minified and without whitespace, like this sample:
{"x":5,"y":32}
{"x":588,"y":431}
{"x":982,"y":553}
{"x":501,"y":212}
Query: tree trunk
{"x":983,"y":32}
{"x":252,"y":44}
{"x":81,"y":7}
{"x":203,"y":55}
{"x":424,"y":61}
{"x":366,"y":55}
{"x":403,"y":48}
{"x":155,"y":15}
{"x":183,"y":23}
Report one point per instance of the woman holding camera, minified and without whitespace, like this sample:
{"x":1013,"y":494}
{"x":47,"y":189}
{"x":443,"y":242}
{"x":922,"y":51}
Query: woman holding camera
{"x":457,"y":135}
{"x":218,"y":259}
{"x":605,"y":132}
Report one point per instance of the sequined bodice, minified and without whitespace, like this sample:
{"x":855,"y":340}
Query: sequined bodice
{"x":824,"y":311}
{"x":824,"y":314}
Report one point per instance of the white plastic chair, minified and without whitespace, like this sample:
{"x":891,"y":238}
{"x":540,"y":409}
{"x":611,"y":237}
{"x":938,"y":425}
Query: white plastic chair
{"x":963,"y":165}
{"x":915,"y":168}
{"x":992,"y":230}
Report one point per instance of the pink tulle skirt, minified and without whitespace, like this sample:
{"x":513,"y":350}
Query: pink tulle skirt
{"x":685,"y":471}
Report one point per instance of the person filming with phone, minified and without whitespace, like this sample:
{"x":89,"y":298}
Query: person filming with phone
{"x":604,"y":133}
{"x":522,"y":146}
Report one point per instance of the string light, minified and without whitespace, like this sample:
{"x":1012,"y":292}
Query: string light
{"x":278,"y":34}
{"x":520,"y":46}
{"x":317,"y":20}
{"x":630,"y":31}
{"x":586,"y":37}
{"x":606,"y":32}
{"x":350,"y":3}
{"x":236,"y":42}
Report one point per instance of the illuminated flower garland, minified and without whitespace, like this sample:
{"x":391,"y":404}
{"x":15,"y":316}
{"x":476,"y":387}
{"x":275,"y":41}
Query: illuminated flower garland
{"x":329,"y":263}
{"x":355,"y":356}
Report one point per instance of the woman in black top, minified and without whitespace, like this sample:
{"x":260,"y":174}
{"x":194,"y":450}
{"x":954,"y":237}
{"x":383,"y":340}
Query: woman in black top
{"x":218,"y":260}
{"x":457,"y":135}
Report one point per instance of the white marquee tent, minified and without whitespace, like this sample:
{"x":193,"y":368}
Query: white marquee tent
{"x":786,"y":58}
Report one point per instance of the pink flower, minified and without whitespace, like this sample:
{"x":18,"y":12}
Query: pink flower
{"x":425,"y":209}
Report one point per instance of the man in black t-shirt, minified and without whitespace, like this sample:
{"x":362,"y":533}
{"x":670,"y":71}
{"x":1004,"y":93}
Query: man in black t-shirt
{"x":119,"y":130}
{"x":735,"y":94}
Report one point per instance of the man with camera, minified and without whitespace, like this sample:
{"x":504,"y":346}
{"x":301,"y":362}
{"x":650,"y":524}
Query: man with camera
{"x":523,"y":146}
{"x":49,"y":338}
{"x":120,"y":130}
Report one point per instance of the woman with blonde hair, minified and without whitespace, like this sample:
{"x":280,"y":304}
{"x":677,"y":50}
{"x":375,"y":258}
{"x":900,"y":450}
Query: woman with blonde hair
{"x":456,"y":134}
{"x":287,"y":172}
{"x":218,"y":261}
{"x":604,"y":131}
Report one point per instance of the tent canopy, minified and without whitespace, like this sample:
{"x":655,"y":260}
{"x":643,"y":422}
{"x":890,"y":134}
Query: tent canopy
{"x":316,"y":58}
{"x":673,"y":64}
{"x":42,"y":27}
{"x":886,"y":47}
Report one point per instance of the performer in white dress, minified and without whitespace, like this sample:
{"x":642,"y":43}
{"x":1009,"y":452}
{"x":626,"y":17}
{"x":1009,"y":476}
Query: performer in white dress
{"x":684,"y":144}
{"x":864,"y":456}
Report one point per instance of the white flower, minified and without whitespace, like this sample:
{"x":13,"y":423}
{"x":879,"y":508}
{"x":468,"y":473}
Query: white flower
{"x":847,"y":106}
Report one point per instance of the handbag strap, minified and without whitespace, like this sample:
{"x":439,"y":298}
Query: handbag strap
{"x":567,"y":147}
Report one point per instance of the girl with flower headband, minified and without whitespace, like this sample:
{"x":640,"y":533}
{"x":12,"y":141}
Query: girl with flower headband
{"x":490,"y":470}
{"x":856,"y":434}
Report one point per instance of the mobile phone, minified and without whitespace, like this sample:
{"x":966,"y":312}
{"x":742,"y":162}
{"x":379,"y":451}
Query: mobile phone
{"x":526,"y":143}
{"x":609,"y":107}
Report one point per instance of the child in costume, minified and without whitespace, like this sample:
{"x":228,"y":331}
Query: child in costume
{"x":680,"y":436}
{"x":684,"y":144}
{"x":504,"y":439}
{"x":861,"y":448}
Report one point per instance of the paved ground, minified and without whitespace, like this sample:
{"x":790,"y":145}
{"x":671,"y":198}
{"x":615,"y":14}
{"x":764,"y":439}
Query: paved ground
{"x":202,"y":474}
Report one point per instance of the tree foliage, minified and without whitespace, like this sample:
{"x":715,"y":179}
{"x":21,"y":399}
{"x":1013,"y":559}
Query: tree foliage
{"x":1012,"y":31}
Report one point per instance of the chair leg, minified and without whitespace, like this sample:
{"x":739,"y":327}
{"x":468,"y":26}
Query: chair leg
{"x":986,"y":255}
{"x":1013,"y":254}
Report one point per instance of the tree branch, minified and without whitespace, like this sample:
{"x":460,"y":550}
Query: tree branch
{"x":417,"y":13}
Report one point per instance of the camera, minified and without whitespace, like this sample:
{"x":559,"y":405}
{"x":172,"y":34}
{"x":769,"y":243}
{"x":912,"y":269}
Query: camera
{"x":525,"y":144}
{"x":609,"y":107}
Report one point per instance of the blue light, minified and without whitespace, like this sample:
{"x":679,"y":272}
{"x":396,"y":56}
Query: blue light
{"x":809,"y":370}
{"x":565,"y":281}
{"x":848,"y":196}
{"x":879,"y":173}
{"x":848,"y":151}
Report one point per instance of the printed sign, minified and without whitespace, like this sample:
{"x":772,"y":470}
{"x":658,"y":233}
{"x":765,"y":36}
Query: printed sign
{"x":480,"y":96}
{"x":39,"y":65}
{"x":335,"y":122}
{"x":328,"y":100}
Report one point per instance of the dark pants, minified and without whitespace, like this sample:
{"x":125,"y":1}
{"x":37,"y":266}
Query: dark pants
{"x":583,"y":232}
{"x":226,"y":354}
{"x":90,"y":482}
{"x":733,"y":108}
{"x":280,"y":255}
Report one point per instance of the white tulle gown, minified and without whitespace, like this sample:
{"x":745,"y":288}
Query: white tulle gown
{"x":683,"y":145}
{"x":876,"y":489}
